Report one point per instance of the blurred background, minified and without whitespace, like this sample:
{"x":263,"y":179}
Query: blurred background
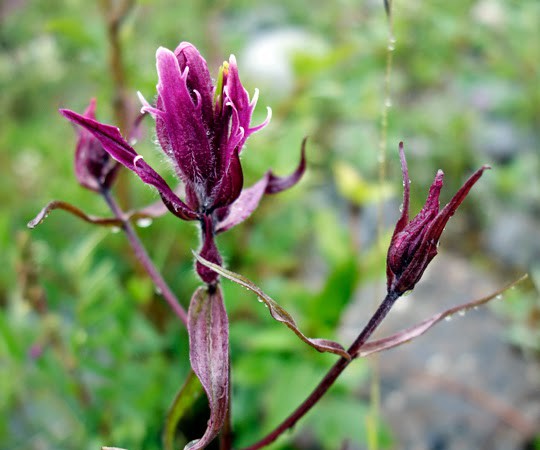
{"x":90,"y":355}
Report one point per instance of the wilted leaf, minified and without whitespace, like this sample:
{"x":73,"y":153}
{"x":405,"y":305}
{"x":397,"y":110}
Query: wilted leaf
{"x":417,"y":330}
{"x":208,"y":328}
{"x":276,"y":311}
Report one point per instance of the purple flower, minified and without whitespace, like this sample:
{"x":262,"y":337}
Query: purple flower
{"x":94,"y":167}
{"x":414,"y":243}
{"x":202,"y":128}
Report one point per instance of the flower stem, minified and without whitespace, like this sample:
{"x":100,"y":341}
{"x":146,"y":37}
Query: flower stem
{"x":144,"y":258}
{"x":331,"y":376}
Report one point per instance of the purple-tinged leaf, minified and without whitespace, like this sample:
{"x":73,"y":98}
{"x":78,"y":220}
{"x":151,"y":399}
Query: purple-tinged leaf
{"x":188,"y":394}
{"x":119,"y":149}
{"x":58,"y":204}
{"x":277,"y":184}
{"x":244,"y":206}
{"x":208,"y":328}
{"x":152,"y":211}
{"x":250,"y":197}
{"x":408,"y":334}
{"x":276,"y":311}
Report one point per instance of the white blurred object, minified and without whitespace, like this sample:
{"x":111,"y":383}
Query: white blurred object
{"x":490,"y":13}
{"x":267,"y":61}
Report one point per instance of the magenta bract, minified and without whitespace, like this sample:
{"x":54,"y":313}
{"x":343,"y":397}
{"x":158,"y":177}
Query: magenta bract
{"x":414,"y":243}
{"x":202,"y":128}
{"x":94,"y":168}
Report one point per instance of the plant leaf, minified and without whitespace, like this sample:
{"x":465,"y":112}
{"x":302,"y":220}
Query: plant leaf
{"x":58,"y":204}
{"x":208,"y":328}
{"x":184,"y":399}
{"x":276,"y":311}
{"x":408,"y":334}
{"x":152,"y":211}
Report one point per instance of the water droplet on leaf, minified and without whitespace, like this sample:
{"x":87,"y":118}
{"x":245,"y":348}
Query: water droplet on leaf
{"x":145,"y":222}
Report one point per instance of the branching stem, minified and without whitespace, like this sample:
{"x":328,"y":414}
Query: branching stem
{"x":143,"y":257}
{"x":331,"y":376}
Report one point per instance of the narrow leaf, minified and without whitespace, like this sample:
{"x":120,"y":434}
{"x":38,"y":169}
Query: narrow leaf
{"x":184,"y":400}
{"x":276,"y":311}
{"x":419,"y":329}
{"x":208,"y":328}
{"x":151,"y":211}
{"x":58,"y":204}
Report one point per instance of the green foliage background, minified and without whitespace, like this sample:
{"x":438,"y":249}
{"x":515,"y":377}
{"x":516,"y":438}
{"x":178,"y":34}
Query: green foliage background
{"x":113,"y":356}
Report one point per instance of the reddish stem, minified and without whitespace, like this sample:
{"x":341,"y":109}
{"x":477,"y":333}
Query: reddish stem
{"x":331,"y":376}
{"x":143,"y":257}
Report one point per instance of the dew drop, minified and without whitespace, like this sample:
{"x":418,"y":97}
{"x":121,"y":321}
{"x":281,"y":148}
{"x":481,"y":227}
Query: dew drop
{"x":391,"y":47}
{"x":448,"y":318}
{"x":388,"y":103}
{"x":498,"y":297}
{"x":461,"y":313}
{"x":145,"y":222}
{"x":260,"y":300}
{"x":158,"y":291}
{"x":115,"y":230}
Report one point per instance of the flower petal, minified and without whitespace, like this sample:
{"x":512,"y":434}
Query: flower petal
{"x":208,"y":328}
{"x":198,"y":79}
{"x":113,"y":142}
{"x":187,"y":135}
{"x":276,"y":311}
